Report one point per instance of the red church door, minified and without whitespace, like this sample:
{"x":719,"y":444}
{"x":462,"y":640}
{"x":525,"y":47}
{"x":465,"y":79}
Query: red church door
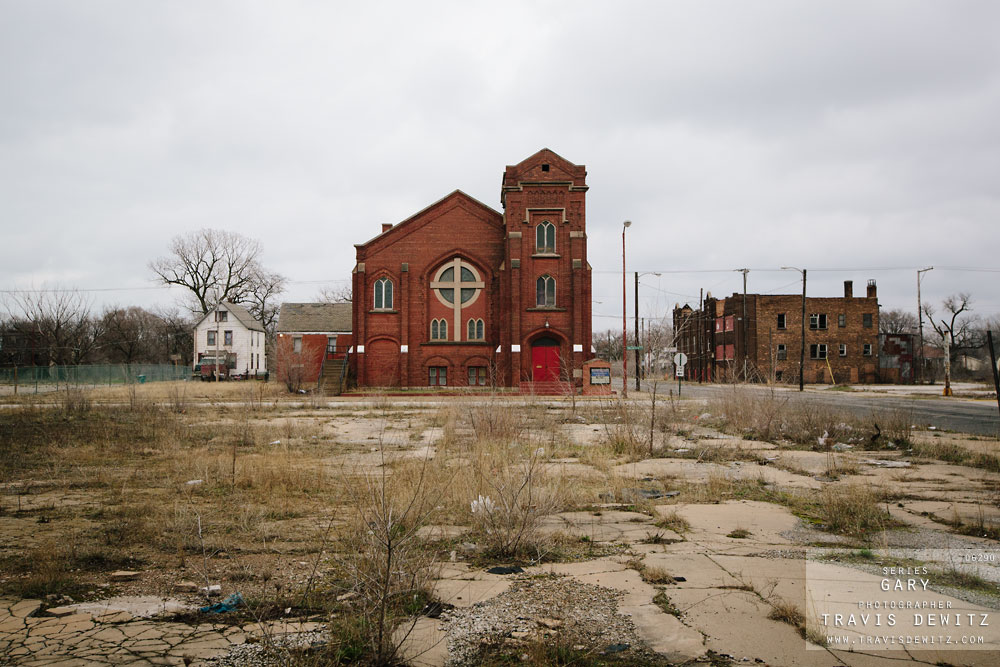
{"x":545,"y":360}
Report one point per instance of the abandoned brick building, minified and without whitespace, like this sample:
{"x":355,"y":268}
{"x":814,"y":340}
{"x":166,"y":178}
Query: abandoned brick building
{"x":460,"y":294}
{"x":841,"y":337}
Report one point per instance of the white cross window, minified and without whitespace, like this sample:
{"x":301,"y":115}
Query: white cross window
{"x":458,"y":277}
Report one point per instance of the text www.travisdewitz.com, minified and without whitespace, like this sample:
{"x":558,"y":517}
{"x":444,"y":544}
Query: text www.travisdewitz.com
{"x":908,"y":640}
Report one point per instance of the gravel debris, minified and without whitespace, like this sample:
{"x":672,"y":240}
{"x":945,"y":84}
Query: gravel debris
{"x":269,"y":654}
{"x":588,"y":619}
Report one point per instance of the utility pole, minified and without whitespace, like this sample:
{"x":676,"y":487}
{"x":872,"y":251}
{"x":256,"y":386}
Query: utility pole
{"x":920,"y":319}
{"x":743,"y":323}
{"x":802,"y":351}
{"x":635,"y":315}
{"x":701,"y":325}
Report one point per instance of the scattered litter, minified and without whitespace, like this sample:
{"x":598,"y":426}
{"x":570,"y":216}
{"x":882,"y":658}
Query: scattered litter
{"x":681,"y":451}
{"x":350,"y":595}
{"x":932,"y":428}
{"x":616,"y":648}
{"x":229,"y":604}
{"x":822,"y":439}
{"x":503,"y":569}
{"x":124,"y":575}
{"x":276,"y":442}
{"x":434,"y":609}
{"x":883,"y":463}
{"x":842,"y":447}
{"x":194,"y":482}
{"x":705,"y":415}
{"x":212,"y":590}
{"x":647,"y":494}
{"x":680,"y":578}
{"x":186,"y":587}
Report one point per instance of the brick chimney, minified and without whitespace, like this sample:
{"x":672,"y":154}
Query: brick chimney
{"x":872,"y":293}
{"x":386,"y":226}
{"x":848,"y":289}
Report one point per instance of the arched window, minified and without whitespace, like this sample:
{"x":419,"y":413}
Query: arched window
{"x":475,"y":330}
{"x":383,"y":294}
{"x":545,"y":238}
{"x":545,"y":291}
{"x":439,"y":330}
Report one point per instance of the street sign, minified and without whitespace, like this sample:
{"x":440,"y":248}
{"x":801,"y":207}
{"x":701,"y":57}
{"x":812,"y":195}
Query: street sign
{"x":633,"y":347}
{"x":679,"y":371}
{"x":680,"y":359}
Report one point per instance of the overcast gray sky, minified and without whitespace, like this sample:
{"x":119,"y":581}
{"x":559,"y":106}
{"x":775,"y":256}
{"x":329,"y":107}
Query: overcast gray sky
{"x":855,"y":139}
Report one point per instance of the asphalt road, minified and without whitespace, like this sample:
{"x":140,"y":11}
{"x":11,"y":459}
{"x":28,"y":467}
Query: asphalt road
{"x":977,"y":417}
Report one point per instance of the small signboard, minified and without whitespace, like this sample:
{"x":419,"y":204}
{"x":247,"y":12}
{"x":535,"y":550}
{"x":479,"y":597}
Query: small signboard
{"x":679,"y":371}
{"x":599,"y":375}
{"x":680,"y":359}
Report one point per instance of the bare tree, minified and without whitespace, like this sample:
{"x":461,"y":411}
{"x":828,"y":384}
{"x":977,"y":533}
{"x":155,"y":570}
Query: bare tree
{"x":212,"y":262}
{"x":896,"y":321}
{"x":56,"y":323}
{"x":338,"y":294}
{"x":960,"y":329}
{"x":132,"y":335}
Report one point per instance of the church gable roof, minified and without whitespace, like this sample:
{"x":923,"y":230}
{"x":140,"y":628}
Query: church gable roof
{"x":545,"y":166}
{"x":456,"y":199}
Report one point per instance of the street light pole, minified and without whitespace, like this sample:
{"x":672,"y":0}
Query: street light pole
{"x":920,"y":319}
{"x":625,"y":225}
{"x":802,"y":350}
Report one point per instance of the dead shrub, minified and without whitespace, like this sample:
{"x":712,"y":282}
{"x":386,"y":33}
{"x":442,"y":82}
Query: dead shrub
{"x":386,"y":566}
{"x":853,"y":510}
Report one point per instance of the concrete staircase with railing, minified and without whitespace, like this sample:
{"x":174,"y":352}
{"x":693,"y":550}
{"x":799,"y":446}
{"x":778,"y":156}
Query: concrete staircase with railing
{"x":334,"y":377}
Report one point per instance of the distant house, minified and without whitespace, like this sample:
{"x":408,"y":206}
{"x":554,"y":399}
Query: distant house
{"x":313,"y":342}
{"x":230,"y":330}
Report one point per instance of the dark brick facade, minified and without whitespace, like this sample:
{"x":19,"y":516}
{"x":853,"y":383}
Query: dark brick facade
{"x":460,"y":260}
{"x":841,"y":337}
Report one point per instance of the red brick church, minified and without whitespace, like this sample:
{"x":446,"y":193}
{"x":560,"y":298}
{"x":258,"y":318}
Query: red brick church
{"x":460,"y":294}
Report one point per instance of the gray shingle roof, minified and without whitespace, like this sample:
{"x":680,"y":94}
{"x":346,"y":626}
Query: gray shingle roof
{"x":241,"y":314}
{"x":314,"y":317}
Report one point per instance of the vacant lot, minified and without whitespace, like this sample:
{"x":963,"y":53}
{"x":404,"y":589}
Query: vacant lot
{"x":476,"y":530}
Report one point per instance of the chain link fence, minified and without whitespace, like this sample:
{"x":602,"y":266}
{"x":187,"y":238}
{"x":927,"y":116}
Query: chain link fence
{"x":47,"y":378}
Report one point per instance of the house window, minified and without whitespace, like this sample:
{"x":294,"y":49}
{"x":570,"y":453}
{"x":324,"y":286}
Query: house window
{"x":777,"y":376}
{"x":545,"y":291}
{"x":817,"y":321}
{"x":842,"y":320}
{"x":817,"y":351}
{"x":843,"y":350}
{"x":475,"y":330}
{"x":782,"y":352}
{"x":439,"y":329}
{"x":437,"y":376}
{"x":221,"y":316}
{"x":545,"y":238}
{"x":383,"y":294}
{"x":868,"y":349}
{"x":866,"y":320}
{"x":227,"y":337}
{"x":211,"y":337}
{"x":477,"y":376}
{"x":297,"y":344}
{"x":781,"y":320}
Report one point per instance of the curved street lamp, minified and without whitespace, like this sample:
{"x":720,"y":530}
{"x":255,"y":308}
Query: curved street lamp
{"x":625,"y":225}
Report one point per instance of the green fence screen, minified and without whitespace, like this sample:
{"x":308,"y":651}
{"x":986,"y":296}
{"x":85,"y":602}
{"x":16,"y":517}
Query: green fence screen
{"x":93,"y":375}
